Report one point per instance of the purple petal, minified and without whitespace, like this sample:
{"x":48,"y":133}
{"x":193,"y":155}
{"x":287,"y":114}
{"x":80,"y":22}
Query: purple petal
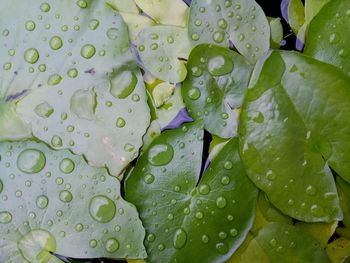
{"x":188,"y":2}
{"x":206,"y":165}
{"x":299,"y":44}
{"x":284,"y":9}
{"x":16,"y":96}
{"x":180,"y":118}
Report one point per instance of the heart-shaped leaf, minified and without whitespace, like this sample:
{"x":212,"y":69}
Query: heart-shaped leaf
{"x":241,"y":21}
{"x":278,"y":242}
{"x":183,"y":216}
{"x":290,"y":135}
{"x":166,"y":12}
{"x":73,"y":79}
{"x":161,"y":48}
{"x":215,"y":86}
{"x":327,"y":36}
{"x":52,"y":201}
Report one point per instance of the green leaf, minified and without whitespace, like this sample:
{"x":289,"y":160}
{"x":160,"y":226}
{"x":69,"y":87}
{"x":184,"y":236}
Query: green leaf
{"x":241,"y":21}
{"x":321,"y":232}
{"x":278,"y":242}
{"x":73,"y":79}
{"x":312,"y":7}
{"x":215,"y":87}
{"x":52,"y":201}
{"x":327,"y":36}
{"x":161,"y":47}
{"x":290,"y":135}
{"x":183,"y":216}
{"x":339,"y":250}
{"x":296,"y":15}
{"x":136,"y":23}
{"x":166,"y":12}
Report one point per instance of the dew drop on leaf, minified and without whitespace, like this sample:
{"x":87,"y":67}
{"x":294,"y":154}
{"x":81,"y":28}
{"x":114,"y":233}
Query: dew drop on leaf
{"x":160,"y":154}
{"x":102,"y":209}
{"x":31,"y":161}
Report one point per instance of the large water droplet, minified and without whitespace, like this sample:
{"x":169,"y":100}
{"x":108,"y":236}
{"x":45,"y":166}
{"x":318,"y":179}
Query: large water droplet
{"x":149,"y":178}
{"x":37,"y":245}
{"x":56,"y":43}
{"x":160,"y":154}
{"x":56,"y":141}
{"x":5,"y":217}
{"x":88,"y":51}
{"x":220,"y":65}
{"x":112,"y":33}
{"x":194,"y":93}
{"x":221,"y":248}
{"x":83,"y":104}
{"x":45,"y":7}
{"x":180,"y":238}
{"x":82,"y":3}
{"x":204,"y":189}
{"x":93,"y":24}
{"x":123,"y":84}
{"x":31,"y":161}
{"x":44,"y":110}
{"x":30,"y":25}
{"x":120,"y":122}
{"x":31,"y":55}
{"x":42,"y":201}
{"x":221,"y":202}
{"x":102,"y":209}
{"x":54,"y":79}
{"x":67,"y":166}
{"x":112,"y":245}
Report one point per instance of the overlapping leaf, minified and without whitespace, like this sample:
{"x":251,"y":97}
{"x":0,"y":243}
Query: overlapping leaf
{"x":52,"y":201}
{"x":241,"y":21}
{"x":328,"y":35}
{"x":294,"y":126}
{"x":183,"y":216}
{"x":215,"y":87}
{"x":73,"y":79}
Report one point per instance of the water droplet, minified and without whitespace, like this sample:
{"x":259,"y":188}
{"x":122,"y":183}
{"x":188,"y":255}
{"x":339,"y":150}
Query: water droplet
{"x":161,"y":247}
{"x":270,"y":175}
{"x":219,"y":36}
{"x":160,"y":154}
{"x":222,"y":235}
{"x":93,"y":24}
{"x":222,"y":248}
{"x":31,"y":161}
{"x":42,"y":202}
{"x":290,"y":202}
{"x":30,"y":25}
{"x":327,"y":196}
{"x":333,"y":38}
{"x":88,"y":51}
{"x":102,"y":209}
{"x":44,"y":110}
{"x":151,"y":237}
{"x":67,"y":166}
{"x":195,"y":37}
{"x":79,"y":227}
{"x":219,"y":66}
{"x":31,"y":55}
{"x":233,"y":232}
{"x":228,"y":165}
{"x":82,"y":3}
{"x":45,"y":7}
{"x":112,"y":245}
{"x":204,"y":189}
{"x":56,"y":141}
{"x":222,"y":23}
{"x":170,"y":40}
{"x":123,"y":84}
{"x":141,"y":48}
{"x":54,"y":79}
{"x":149,"y":178}
{"x":56,"y":43}
{"x":273,"y":242}
{"x":112,"y":33}
{"x":66,"y":196}
{"x":225,"y":180}
{"x":180,"y":238}
{"x":199,"y":215}
{"x":5,"y":217}
{"x":241,"y":37}
{"x":93,"y":243}
{"x":205,"y":239}
{"x":317,"y":210}
{"x":221,"y":202}
{"x":311,"y":190}
{"x":194,"y":93}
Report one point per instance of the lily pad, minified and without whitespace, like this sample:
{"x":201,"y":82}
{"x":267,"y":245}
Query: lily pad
{"x":52,"y":201}
{"x":290,"y":136}
{"x":278,"y":242}
{"x":241,"y":21}
{"x":73,"y":79}
{"x":183,"y":214}
{"x":327,"y":36}
{"x":161,"y":49}
{"x":215,"y":87}
{"x":166,"y":12}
